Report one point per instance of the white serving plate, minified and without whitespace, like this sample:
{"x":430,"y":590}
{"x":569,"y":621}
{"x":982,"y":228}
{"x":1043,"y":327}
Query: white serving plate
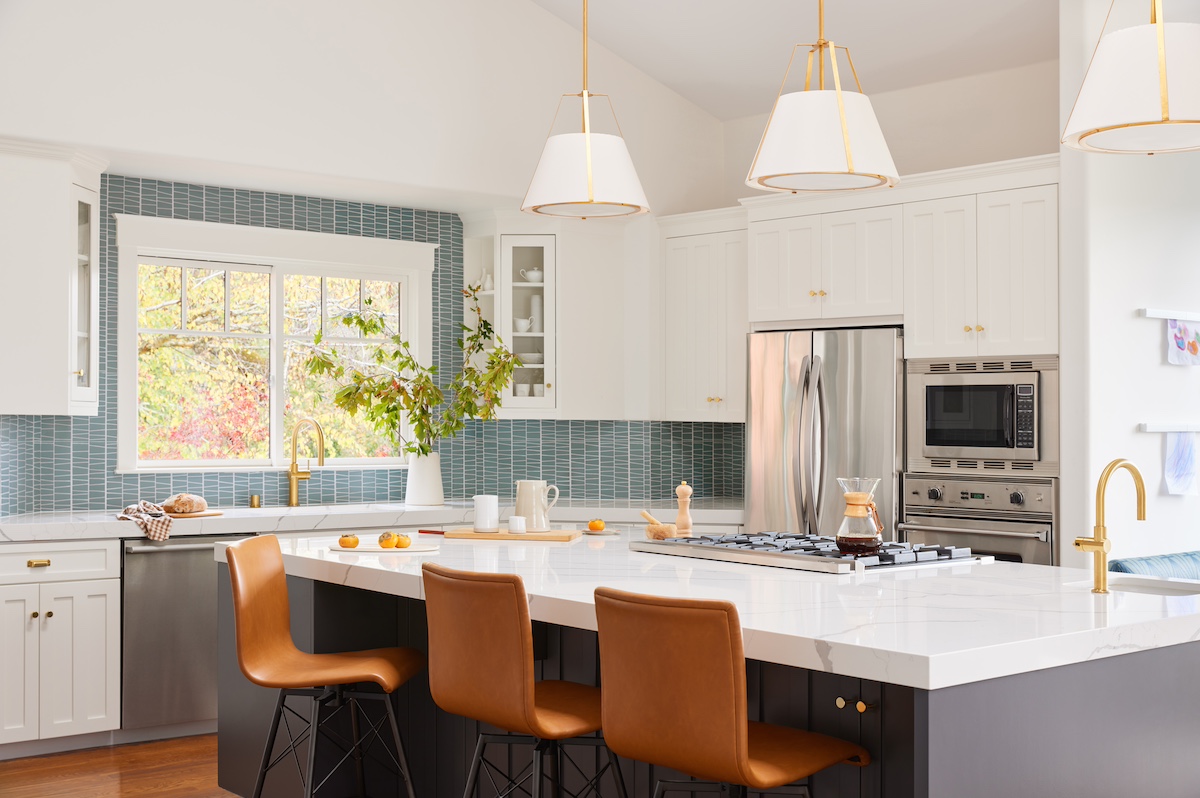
{"x":364,"y":547}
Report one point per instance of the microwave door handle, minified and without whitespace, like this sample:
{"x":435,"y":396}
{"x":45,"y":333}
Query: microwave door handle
{"x":1008,"y":417}
{"x":963,"y":531}
{"x":822,"y":408}
{"x":801,"y":447}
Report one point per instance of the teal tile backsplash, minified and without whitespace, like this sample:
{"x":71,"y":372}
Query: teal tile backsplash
{"x":56,"y":463}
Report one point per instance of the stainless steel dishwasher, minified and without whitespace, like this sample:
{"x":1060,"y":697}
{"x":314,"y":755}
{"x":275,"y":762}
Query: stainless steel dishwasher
{"x":169,"y":641}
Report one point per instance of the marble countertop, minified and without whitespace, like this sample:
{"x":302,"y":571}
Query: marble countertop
{"x":243,"y":520}
{"x":927,"y":629}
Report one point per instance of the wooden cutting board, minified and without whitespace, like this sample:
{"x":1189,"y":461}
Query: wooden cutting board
{"x":201,"y":514}
{"x":554,"y":535}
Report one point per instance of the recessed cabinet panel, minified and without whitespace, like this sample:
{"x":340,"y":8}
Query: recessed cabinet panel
{"x":80,"y":657}
{"x":785,"y":273}
{"x":862,"y":263}
{"x":18,"y":663}
{"x":940,"y":278}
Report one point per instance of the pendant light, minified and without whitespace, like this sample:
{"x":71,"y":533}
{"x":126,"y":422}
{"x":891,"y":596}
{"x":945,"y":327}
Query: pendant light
{"x":586,"y":173}
{"x":1141,"y":91}
{"x":818,"y":139}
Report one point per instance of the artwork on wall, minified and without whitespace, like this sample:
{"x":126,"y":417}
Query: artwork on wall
{"x":1183,"y":343}
{"x":1179,"y":466}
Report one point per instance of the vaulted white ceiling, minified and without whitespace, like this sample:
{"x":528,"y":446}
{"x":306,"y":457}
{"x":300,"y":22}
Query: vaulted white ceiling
{"x":728,"y":56}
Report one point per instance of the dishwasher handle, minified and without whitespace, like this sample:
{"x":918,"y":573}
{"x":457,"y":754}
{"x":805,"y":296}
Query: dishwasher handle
{"x":961,"y":531}
{"x":167,"y":549}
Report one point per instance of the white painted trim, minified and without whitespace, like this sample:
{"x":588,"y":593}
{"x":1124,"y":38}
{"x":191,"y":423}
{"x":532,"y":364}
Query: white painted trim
{"x":978,"y":179}
{"x":1144,"y":427}
{"x":56,"y":152}
{"x":721,"y":220}
{"x":283,"y":251}
{"x":1156,"y":313}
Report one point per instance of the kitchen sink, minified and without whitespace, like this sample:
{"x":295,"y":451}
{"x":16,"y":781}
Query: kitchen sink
{"x":1132,"y":583}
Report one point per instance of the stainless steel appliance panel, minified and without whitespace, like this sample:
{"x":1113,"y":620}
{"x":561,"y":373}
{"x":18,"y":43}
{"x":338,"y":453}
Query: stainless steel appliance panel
{"x":169,"y":640}
{"x":1012,"y":541}
{"x":821,"y":405}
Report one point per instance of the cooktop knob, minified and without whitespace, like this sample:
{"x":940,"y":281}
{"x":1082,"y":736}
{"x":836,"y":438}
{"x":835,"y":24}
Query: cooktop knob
{"x":935,"y":494}
{"x":1016,"y":497}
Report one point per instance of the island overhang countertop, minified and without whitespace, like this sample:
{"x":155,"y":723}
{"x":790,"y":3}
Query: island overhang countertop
{"x":927,"y":628}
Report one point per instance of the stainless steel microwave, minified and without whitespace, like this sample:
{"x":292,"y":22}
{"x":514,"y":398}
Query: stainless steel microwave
{"x":997,"y":415}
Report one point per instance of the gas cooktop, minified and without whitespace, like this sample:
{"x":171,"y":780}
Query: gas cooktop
{"x":808,"y":552}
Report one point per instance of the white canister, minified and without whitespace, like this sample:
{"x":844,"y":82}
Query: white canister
{"x":535,"y":313}
{"x":539,"y":389}
{"x":521,"y":389}
{"x":516,"y":524}
{"x":487,"y":513}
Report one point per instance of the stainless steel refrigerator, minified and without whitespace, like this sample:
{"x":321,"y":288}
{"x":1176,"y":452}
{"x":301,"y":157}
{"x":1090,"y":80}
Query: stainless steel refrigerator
{"x":822,"y":404}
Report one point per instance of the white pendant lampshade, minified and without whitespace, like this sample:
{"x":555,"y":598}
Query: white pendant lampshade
{"x":586,"y":173}
{"x":822,"y":139}
{"x":1141,"y":93}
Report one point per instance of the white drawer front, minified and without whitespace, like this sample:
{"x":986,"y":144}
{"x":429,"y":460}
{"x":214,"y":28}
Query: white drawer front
{"x":97,"y":559}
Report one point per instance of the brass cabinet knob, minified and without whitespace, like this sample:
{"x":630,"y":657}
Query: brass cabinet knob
{"x":978,"y":328}
{"x":34,"y":615}
{"x":50,"y":614}
{"x":709,"y":400}
{"x":37,"y":563}
{"x":967,"y":328}
{"x":549,"y":386}
{"x":718,"y":399}
{"x":863,"y":706}
{"x":840,"y":702}
{"x":821,"y":293}
{"x":812,"y":293}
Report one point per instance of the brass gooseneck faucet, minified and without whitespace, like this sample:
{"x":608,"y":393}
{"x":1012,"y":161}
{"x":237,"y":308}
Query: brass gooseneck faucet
{"x":294,"y":472}
{"x":1099,"y":544}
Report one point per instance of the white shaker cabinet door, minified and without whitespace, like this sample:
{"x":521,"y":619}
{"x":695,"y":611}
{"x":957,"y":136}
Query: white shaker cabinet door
{"x":939,"y":278}
{"x":80,"y":657}
{"x":862,"y":261}
{"x":18,"y":663}
{"x":1018,"y":271}
{"x":785,"y":269}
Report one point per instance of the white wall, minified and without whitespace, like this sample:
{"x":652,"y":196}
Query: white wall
{"x":1133,"y":241}
{"x":360,"y":98}
{"x":977,"y":119}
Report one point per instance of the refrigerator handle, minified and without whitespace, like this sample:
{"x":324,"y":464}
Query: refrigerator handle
{"x":820,"y":486}
{"x":801,"y":444}
{"x":808,"y":446}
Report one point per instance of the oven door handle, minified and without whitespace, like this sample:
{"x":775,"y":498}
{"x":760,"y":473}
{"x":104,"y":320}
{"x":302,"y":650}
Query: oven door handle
{"x":959,"y":530}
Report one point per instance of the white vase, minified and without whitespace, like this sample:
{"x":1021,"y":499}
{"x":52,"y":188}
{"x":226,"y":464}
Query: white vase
{"x":424,"y":485}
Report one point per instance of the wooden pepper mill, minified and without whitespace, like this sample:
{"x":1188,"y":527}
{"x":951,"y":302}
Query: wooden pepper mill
{"x":683,"y":521}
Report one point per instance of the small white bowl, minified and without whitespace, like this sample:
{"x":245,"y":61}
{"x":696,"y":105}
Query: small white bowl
{"x":531,"y":357}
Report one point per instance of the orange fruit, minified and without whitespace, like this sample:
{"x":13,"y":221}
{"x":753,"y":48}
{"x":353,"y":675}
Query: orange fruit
{"x":387,"y":540}
{"x":348,"y":541}
{"x":596,"y":525}
{"x":403,"y":541}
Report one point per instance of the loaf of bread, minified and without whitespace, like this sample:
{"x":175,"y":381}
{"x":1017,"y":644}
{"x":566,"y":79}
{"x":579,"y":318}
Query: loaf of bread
{"x":185,"y":503}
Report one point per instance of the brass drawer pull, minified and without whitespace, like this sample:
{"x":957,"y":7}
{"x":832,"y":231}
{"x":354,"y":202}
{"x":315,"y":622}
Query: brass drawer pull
{"x":50,"y":614}
{"x":840,"y":702}
{"x":37,"y":563}
{"x":34,"y":615}
{"x":812,"y":293}
{"x":967,"y":328}
{"x":863,"y":706}
{"x":821,"y":293}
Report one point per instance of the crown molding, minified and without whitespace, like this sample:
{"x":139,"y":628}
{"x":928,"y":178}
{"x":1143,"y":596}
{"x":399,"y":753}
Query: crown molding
{"x":53,"y":152}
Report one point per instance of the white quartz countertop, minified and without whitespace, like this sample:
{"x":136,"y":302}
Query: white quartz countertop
{"x":927,"y":629}
{"x":243,"y":520}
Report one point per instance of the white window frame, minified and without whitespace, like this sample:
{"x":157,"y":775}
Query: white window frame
{"x":283,"y":252}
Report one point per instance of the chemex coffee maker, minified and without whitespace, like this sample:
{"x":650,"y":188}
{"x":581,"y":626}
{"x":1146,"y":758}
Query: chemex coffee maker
{"x":861,"y":532}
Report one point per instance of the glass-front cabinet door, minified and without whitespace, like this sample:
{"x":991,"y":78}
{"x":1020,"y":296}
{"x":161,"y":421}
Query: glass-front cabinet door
{"x":525,"y":283}
{"x":85,"y":301}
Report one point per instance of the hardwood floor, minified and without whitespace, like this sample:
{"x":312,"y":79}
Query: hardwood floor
{"x":182,"y":768}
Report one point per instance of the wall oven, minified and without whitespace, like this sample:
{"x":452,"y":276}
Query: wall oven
{"x":983,"y":415}
{"x":1009,"y":519}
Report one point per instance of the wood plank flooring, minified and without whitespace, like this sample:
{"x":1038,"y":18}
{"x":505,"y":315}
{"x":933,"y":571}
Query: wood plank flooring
{"x":181,"y":768}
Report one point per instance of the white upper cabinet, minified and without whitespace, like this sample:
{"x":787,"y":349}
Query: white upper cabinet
{"x":940,"y":278}
{"x":981,"y":275}
{"x":525,"y":285}
{"x":49,"y":200}
{"x":827,"y":266}
{"x":704,"y":327}
{"x":1018,"y":271}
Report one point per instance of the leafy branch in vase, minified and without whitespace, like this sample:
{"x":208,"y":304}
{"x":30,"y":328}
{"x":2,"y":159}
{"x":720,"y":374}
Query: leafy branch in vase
{"x":400,"y":396}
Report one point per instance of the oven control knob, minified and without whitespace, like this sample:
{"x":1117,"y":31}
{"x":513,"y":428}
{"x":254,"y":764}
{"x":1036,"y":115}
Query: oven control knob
{"x":935,"y":494}
{"x":1016,"y":497}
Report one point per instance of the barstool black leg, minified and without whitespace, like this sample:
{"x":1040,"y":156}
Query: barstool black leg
{"x":537,"y":771}
{"x":473,"y":775}
{"x":615,"y":763}
{"x":313,"y":732}
{"x":266,"y":757}
{"x":360,"y":776}
{"x":405,"y":772}
{"x":552,"y":751}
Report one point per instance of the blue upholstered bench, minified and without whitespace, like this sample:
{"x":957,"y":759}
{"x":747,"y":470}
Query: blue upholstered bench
{"x":1183,"y":565}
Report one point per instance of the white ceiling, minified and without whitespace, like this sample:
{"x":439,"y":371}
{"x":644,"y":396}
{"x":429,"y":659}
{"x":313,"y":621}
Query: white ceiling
{"x":728,"y":56}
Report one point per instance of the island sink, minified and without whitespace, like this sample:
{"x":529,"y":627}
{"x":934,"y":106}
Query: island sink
{"x":1132,"y":583}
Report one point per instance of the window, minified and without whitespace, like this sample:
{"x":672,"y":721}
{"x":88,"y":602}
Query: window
{"x":214,"y":343}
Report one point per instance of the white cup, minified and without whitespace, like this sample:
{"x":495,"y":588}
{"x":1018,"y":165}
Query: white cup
{"x":539,"y":390}
{"x":532,"y":275}
{"x":522,"y":325}
{"x":516,"y":524}
{"x":521,"y":389}
{"x":487,"y":513}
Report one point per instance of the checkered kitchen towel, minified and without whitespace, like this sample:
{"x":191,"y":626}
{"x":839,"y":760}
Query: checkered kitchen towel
{"x":152,"y":519}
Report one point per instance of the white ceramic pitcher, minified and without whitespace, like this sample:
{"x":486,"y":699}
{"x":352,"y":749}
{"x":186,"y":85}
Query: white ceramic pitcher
{"x":533,"y":502}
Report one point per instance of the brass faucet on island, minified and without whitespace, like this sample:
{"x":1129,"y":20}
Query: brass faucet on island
{"x":295,"y":475}
{"x":1099,"y":544}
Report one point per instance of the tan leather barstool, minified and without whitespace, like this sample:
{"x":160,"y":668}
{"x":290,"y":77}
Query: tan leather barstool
{"x":481,"y":667}
{"x":674,"y":677}
{"x":268,"y":657}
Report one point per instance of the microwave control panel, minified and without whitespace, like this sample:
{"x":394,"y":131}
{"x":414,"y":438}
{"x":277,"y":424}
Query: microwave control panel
{"x":1014,"y":495}
{"x":1025,"y":416}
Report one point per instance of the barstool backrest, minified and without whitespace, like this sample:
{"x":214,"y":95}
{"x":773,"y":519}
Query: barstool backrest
{"x":480,"y":647}
{"x":673,"y":683}
{"x":261,"y":616}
